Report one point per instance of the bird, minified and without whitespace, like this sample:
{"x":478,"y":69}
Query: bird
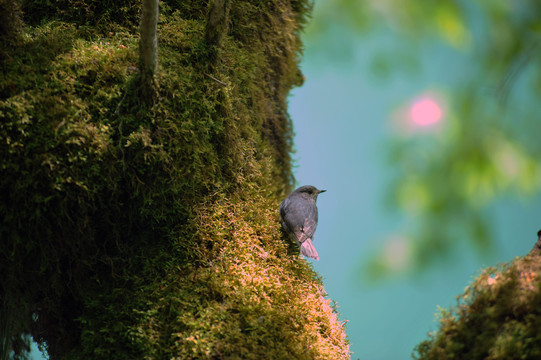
{"x":298,"y":213}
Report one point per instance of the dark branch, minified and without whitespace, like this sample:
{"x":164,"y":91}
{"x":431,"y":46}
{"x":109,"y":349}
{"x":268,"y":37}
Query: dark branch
{"x":217,"y":24}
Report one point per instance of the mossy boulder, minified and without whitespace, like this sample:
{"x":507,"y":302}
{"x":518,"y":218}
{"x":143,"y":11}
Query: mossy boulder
{"x":498,"y":317}
{"x":136,"y":230}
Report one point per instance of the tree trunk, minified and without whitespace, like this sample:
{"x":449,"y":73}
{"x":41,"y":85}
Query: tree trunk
{"x":217,"y":20}
{"x":10,"y":21}
{"x":148,"y":48}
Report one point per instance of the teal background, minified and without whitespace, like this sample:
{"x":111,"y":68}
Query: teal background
{"x":342,"y":119}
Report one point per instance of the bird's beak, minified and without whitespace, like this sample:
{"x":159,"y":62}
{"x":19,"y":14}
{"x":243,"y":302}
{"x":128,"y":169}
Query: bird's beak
{"x":320,"y":191}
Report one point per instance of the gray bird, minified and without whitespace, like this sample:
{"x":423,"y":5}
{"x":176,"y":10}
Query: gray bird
{"x":299,"y":218}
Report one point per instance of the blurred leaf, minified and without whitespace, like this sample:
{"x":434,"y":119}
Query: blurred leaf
{"x":450,"y":24}
{"x":446,"y":180}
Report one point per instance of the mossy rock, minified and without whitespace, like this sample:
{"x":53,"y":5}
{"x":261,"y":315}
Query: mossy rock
{"x":497,"y":317}
{"x":135,"y":230}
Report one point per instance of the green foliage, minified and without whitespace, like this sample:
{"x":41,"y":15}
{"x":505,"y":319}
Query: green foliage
{"x":150,"y":231}
{"x":476,"y":161}
{"x":497,"y":317}
{"x":99,"y":14}
{"x":445,"y":179}
{"x":10,"y":22}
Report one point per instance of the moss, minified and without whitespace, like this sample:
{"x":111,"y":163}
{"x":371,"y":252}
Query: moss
{"x":251,"y":300}
{"x":497,"y":317}
{"x":10,"y":22}
{"x":132,"y":230}
{"x":98,"y":14}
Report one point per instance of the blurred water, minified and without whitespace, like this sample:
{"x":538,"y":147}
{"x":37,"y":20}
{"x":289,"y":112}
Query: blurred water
{"x":341,"y":119}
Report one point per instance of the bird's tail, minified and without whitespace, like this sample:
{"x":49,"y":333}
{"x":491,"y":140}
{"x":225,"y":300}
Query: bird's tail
{"x":308,"y":249}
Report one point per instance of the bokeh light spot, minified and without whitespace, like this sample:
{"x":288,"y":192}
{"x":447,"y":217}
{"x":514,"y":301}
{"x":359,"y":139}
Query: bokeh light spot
{"x":397,"y":253}
{"x":425,"y":112}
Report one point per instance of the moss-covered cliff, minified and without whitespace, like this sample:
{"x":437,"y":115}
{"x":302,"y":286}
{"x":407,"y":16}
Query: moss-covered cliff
{"x":498,"y":317}
{"x":151,"y":231}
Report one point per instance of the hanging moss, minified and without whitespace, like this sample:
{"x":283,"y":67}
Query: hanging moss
{"x":98,"y":14}
{"x":10,"y":22}
{"x":497,"y":317}
{"x":150,"y":231}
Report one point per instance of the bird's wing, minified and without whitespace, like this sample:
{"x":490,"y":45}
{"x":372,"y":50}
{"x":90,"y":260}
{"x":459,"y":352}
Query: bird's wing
{"x":308,"y":212}
{"x":308,"y":230}
{"x":286,"y":219}
{"x":300,"y":218}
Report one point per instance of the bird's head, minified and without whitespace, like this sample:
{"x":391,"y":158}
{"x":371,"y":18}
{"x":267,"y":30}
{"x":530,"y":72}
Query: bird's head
{"x":309,"y":191}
